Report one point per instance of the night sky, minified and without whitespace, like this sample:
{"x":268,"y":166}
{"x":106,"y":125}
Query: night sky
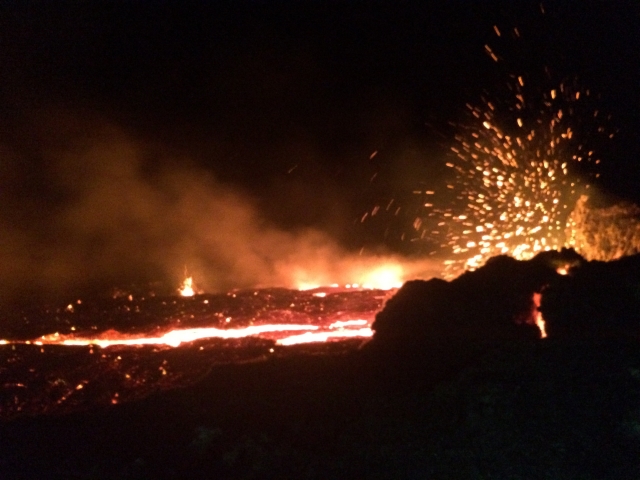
{"x":133,"y":132}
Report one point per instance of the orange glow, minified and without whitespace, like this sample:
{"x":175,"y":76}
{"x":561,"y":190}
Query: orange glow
{"x":310,"y":337}
{"x":563,"y":270}
{"x":365,"y":273}
{"x":173,"y":338}
{"x":386,"y":275}
{"x":186,"y":289}
{"x":348,"y":323}
{"x":514,"y":188}
{"x":540,"y":323}
{"x":339,"y":329}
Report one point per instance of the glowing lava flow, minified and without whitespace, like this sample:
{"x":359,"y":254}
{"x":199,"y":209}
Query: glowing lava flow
{"x":310,"y":337}
{"x":539,"y":321}
{"x":321,"y":315}
{"x":337,"y":330}
{"x":113,"y":350}
{"x":173,"y":338}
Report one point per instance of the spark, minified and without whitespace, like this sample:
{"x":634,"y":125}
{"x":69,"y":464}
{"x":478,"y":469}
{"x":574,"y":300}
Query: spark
{"x":516,"y":178}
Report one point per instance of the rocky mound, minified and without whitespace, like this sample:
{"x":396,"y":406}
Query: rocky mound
{"x":495,"y":304}
{"x":596,"y":300}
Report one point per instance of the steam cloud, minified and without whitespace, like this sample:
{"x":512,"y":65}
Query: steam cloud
{"x":112,"y":209}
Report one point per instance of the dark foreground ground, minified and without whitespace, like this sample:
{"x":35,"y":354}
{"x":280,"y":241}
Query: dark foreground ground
{"x":549,"y":409}
{"x":455,"y":383}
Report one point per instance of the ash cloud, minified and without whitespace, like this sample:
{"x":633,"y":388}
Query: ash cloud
{"x":93,"y":208}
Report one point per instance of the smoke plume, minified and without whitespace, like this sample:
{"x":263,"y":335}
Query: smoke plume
{"x":100,"y":208}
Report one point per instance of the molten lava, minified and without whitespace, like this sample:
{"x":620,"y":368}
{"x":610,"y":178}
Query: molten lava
{"x":537,"y":315}
{"x":186,"y":289}
{"x":173,"y":338}
{"x":378,"y":273}
{"x":113,"y":350}
{"x":272,"y":314}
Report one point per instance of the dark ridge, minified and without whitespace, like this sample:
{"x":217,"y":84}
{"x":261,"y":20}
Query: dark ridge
{"x":493,"y":304}
{"x":438,"y":324}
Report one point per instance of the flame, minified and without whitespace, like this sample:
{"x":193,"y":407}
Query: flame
{"x":537,"y":315}
{"x":186,"y":289}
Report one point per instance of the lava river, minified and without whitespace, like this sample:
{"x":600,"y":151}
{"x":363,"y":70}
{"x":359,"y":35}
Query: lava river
{"x":106,"y":351}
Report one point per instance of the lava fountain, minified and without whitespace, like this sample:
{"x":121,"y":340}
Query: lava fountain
{"x":519,"y":165}
{"x":186,"y":289}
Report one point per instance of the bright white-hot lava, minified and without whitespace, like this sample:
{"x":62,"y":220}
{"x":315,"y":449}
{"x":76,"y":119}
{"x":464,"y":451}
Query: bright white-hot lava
{"x":340,"y":329}
{"x":310,"y":337}
{"x":325,"y":314}
{"x":186,"y":289}
{"x":537,"y":314}
{"x":173,"y":338}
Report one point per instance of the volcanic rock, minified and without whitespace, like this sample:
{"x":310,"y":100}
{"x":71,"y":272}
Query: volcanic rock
{"x":597,"y":300}
{"x":489,"y":306}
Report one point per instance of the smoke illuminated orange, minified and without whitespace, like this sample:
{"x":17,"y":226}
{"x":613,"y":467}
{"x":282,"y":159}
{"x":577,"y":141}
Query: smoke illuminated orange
{"x":385,"y":275}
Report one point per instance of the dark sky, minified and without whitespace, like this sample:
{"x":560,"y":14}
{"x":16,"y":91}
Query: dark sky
{"x":281,"y":102}
{"x":253,"y":88}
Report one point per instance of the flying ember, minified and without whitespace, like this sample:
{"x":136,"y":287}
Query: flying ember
{"x":519,"y":170}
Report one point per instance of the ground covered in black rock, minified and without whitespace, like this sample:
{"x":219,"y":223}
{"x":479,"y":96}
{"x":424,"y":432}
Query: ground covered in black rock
{"x":548,"y":410}
{"x":467,"y":395}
